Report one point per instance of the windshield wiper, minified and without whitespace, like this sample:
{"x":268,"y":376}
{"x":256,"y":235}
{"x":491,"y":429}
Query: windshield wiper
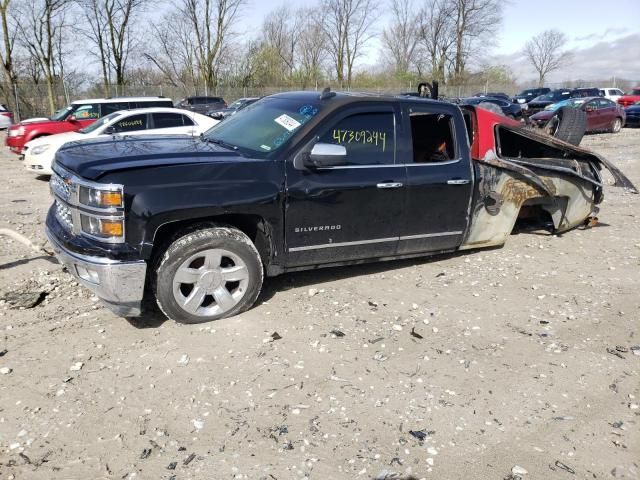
{"x":217,"y":141}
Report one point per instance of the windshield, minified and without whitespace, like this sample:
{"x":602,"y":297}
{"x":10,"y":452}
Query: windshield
{"x":99,"y":123}
{"x":237,"y":104}
{"x":264,"y":126}
{"x":636,"y":91}
{"x":63,"y":112}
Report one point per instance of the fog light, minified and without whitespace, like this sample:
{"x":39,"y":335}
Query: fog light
{"x":88,"y":274}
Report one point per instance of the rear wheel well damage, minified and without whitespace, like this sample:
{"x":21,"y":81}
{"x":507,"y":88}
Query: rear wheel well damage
{"x":253,"y":226}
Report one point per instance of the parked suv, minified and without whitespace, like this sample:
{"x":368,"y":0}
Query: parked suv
{"x":526,"y":96}
{"x":77,"y":115}
{"x":202,"y":104}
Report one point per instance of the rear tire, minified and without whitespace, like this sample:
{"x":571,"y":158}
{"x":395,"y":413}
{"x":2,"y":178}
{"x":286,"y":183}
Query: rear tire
{"x":568,"y":124}
{"x":617,"y":125}
{"x":210,"y":273}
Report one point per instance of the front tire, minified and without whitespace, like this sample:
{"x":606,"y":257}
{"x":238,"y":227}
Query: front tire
{"x":208,"y":274}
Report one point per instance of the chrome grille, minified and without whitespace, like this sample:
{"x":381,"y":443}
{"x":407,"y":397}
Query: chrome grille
{"x":63,"y":214}
{"x":59,"y":187}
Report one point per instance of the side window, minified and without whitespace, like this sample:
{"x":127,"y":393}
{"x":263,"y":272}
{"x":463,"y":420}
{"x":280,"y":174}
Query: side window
{"x":368,"y":137}
{"x":108,"y":108}
{"x":432,"y":137}
{"x":592,"y":105}
{"x":604,"y":103}
{"x":87,"y":111}
{"x":132,"y":123}
{"x":167,"y":120}
{"x":186,"y":121}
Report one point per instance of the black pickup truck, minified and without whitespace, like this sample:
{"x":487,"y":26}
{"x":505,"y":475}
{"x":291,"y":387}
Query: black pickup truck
{"x":299,"y":181}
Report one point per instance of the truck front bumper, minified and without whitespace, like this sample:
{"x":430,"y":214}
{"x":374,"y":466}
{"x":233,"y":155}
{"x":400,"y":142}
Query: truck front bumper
{"x":120,"y":285}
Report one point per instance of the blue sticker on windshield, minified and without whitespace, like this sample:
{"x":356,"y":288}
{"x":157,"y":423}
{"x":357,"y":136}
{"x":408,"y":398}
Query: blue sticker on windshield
{"x":308,"y":111}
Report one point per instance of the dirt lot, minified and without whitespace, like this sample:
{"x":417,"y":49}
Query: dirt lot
{"x":522,"y":358}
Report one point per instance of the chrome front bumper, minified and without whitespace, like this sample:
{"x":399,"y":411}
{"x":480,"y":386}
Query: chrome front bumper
{"x":120,"y":285}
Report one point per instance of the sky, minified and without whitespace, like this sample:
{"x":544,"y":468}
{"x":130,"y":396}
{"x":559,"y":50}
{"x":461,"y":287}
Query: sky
{"x":604,"y":35}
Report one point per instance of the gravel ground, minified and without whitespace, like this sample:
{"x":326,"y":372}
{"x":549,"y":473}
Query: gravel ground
{"x":484,"y":365}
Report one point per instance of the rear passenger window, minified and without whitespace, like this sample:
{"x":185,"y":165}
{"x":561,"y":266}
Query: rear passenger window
{"x":167,"y":120}
{"x":432,"y":137}
{"x":108,"y":108}
{"x":132,"y":123}
{"x":368,"y":137}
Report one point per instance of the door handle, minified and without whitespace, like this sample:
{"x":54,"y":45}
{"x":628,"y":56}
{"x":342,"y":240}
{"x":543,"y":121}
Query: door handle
{"x":458,"y":181}
{"x":389,"y":185}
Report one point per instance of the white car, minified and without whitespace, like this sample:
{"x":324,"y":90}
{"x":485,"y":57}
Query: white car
{"x":6,"y":117}
{"x":612,"y":94}
{"x":38,"y":154}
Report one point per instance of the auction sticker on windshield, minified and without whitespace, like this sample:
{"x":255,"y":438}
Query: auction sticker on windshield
{"x":287,"y":122}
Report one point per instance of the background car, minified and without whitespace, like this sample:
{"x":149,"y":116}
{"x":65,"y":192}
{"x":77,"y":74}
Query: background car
{"x":501,"y":95}
{"x":75,"y":116}
{"x":39,"y":153}
{"x":611,"y":93}
{"x":232,"y":109}
{"x":509,"y":109}
{"x":529,"y":94}
{"x":540,"y":103}
{"x":6,"y":117}
{"x":630,"y":98}
{"x":602,"y":114}
{"x":633,"y":115}
{"x":201,"y":104}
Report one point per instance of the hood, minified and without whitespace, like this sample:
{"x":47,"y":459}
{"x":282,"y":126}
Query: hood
{"x":35,"y":120}
{"x":543,"y":115}
{"x":91,"y":159}
{"x":57,"y":139}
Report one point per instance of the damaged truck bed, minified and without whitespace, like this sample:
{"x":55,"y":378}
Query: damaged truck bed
{"x":521,"y":172}
{"x":301,"y":181}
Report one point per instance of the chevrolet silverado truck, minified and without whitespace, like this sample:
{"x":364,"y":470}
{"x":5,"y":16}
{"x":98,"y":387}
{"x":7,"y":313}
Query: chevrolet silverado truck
{"x":298,"y":181}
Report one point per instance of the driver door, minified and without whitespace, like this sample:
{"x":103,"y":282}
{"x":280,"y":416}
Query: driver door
{"x":350,"y":210}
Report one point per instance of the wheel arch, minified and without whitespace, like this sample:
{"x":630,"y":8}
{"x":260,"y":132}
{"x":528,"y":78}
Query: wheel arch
{"x":254,"y":226}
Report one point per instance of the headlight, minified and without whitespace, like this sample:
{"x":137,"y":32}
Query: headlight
{"x":98,"y":198}
{"x":39,"y":149}
{"x":16,"y":132}
{"x":104,"y":228}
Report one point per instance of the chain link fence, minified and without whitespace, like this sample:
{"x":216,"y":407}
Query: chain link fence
{"x":30,"y":99}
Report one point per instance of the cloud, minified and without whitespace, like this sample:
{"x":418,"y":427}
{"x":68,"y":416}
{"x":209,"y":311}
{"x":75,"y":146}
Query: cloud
{"x":619,"y":58}
{"x":608,"y":32}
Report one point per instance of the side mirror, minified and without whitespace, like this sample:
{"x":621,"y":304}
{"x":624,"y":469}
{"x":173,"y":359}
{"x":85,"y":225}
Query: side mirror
{"x":72,"y":118}
{"x":589,"y":109}
{"x":326,"y":155}
{"x":110,"y":130}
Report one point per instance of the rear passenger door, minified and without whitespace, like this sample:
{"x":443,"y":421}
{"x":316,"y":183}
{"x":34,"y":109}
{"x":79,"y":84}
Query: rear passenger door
{"x":439,"y":180}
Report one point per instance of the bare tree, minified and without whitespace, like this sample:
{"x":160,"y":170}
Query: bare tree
{"x":437,"y":34}
{"x":348,"y":26}
{"x":9,"y":32}
{"x":312,"y":47}
{"x":110,"y":26}
{"x":400,"y":38}
{"x":282,"y":31}
{"x":476,"y":23}
{"x":545,"y":52}
{"x":211,"y":22}
{"x":41,"y":32}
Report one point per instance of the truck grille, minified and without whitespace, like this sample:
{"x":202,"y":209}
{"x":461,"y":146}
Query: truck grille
{"x":63,"y":214}
{"x":59,"y":187}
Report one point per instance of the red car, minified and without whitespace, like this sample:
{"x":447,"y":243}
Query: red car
{"x":631,"y":98}
{"x":602,"y":113}
{"x":74,"y":117}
